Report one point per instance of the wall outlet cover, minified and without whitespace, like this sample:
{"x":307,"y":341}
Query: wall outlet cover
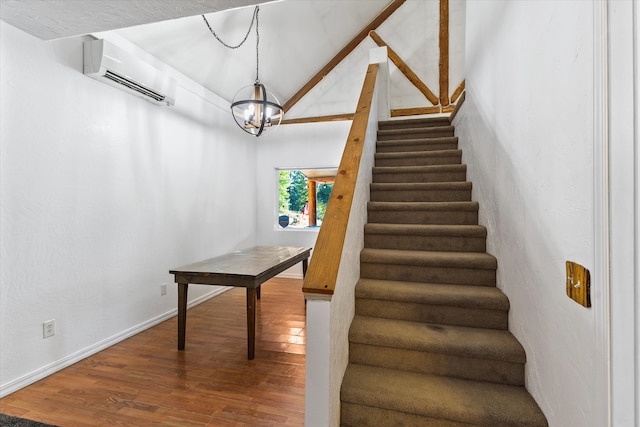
{"x":48,"y":328}
{"x":578,"y":284}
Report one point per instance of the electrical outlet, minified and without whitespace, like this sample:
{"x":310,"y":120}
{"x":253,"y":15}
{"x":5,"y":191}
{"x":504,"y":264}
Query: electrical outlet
{"x":163,"y":289}
{"x":49,"y":328}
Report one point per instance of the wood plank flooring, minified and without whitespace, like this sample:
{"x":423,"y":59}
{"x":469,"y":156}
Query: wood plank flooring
{"x":146,"y":381}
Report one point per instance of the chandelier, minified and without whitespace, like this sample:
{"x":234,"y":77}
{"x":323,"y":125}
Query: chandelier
{"x":254,"y":108}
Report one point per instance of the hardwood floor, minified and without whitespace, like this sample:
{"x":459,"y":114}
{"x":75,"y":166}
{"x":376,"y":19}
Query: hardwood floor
{"x":145,"y":380}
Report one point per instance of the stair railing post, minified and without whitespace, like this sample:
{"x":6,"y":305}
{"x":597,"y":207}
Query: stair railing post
{"x":380,"y":56}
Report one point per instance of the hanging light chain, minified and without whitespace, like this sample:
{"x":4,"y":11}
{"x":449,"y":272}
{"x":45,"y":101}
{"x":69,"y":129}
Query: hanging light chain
{"x":253,"y":18}
{"x":257,"y":43}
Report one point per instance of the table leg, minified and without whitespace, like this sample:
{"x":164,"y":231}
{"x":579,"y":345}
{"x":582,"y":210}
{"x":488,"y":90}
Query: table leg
{"x":182,"y":313}
{"x":305,"y":264}
{"x":251,"y":321}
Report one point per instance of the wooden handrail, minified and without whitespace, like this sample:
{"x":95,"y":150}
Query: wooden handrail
{"x":323,"y":269}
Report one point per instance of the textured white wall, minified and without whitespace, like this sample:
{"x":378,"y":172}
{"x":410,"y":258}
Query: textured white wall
{"x":527,"y":133}
{"x":101,"y":193}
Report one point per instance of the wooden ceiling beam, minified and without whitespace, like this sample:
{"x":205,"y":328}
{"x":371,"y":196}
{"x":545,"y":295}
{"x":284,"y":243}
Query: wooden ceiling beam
{"x":405,"y":69}
{"x":444,"y":52}
{"x":417,"y":111}
{"x":377,"y":21}
{"x":457,"y":92}
{"x":317,"y":119}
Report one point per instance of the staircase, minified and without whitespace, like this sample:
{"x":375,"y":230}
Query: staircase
{"x":429,"y":344}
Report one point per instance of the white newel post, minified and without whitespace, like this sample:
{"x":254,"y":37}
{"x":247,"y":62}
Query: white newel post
{"x":379,"y":55}
{"x":316,"y":399}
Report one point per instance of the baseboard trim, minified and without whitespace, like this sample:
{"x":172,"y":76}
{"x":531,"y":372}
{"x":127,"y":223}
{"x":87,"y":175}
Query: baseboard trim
{"x":58,"y":365}
{"x":289,"y":275}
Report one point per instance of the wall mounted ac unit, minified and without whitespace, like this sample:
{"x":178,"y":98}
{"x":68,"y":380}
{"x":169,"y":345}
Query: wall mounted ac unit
{"x":110,"y":64}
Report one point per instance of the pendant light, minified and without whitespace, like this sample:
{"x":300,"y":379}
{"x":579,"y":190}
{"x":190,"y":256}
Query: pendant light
{"x":254,"y":108}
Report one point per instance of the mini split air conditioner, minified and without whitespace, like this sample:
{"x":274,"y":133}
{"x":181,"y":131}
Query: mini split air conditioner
{"x":109,"y":64}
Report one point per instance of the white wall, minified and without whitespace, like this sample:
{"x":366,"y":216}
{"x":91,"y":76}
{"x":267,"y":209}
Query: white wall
{"x":623,"y":211}
{"x":101,"y":193}
{"x":300,"y":146}
{"x":527,"y":134}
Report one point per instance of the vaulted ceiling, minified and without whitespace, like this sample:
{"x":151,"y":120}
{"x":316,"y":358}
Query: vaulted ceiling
{"x":297,"y":38}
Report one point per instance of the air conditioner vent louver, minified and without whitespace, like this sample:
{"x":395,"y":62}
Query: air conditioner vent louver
{"x":133,"y":85}
{"x":110,"y":64}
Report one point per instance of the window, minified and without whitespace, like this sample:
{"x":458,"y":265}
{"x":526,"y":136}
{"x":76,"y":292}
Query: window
{"x":303,"y":195}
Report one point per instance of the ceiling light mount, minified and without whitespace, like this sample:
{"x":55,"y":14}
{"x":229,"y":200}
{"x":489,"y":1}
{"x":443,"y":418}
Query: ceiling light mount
{"x":254,"y":108}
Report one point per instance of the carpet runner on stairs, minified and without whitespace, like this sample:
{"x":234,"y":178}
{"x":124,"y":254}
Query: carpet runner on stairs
{"x":429,"y":344}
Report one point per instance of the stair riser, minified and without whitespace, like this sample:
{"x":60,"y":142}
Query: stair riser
{"x":434,"y":132}
{"x":425,"y":243}
{"x":355,"y":415}
{"x":467,"y":368}
{"x":412,"y":124}
{"x":452,"y":217}
{"x":419,"y":161}
{"x":420,"y":177}
{"x":403,"y":148}
{"x":436,"y":314}
{"x":421,"y":273}
{"x":463,"y":195}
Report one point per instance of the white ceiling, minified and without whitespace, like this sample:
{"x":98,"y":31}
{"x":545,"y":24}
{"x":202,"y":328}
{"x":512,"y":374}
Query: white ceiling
{"x":48,"y":19}
{"x":297,"y":38}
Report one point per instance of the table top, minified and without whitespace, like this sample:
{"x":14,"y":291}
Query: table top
{"x":256,"y":262}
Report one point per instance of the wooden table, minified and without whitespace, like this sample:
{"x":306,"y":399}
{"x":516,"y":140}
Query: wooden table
{"x":248,"y":268}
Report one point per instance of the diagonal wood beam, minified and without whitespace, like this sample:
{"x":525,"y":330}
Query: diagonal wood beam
{"x":457,"y":92}
{"x":444,"y":52}
{"x":377,"y":21}
{"x":317,"y":119}
{"x":405,"y":69}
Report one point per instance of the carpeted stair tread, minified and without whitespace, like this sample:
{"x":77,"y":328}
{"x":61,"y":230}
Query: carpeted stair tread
{"x":418,"y":144}
{"x":455,"y":268}
{"x":419,"y":169}
{"x":415,"y":132}
{"x":449,"y":399}
{"x":440,"y":191}
{"x":433,"y":302}
{"x":421,"y":186}
{"x":428,"y":206}
{"x":423,"y":212}
{"x":476,"y":260}
{"x":423,"y":173}
{"x":490,"y":298}
{"x":459,"y":341}
{"x":427,"y":230}
{"x":418,"y":153}
{"x":360,"y":415}
{"x":429,"y":344}
{"x":413,"y":123}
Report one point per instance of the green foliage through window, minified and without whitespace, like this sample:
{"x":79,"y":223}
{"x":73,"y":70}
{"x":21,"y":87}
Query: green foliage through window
{"x":293,"y":199}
